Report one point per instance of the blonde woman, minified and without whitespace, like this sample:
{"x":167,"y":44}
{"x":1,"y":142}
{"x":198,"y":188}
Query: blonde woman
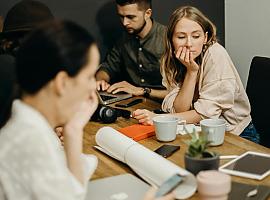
{"x":200,"y":76}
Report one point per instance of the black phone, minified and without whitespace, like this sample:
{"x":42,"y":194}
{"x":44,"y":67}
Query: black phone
{"x":159,"y":111}
{"x":169,"y":185}
{"x":131,"y":103}
{"x":166,"y":150}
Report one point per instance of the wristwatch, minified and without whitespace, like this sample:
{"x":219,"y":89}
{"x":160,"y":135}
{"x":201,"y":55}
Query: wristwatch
{"x":146,"y":92}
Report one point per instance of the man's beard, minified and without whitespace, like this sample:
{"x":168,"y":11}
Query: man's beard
{"x":138,"y":30}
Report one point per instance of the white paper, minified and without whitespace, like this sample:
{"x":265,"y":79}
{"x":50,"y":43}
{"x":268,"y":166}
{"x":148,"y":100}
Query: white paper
{"x":189,"y":127}
{"x":152,"y":167}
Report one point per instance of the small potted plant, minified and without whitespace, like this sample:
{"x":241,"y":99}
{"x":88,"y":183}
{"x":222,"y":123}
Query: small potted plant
{"x":197,"y":157}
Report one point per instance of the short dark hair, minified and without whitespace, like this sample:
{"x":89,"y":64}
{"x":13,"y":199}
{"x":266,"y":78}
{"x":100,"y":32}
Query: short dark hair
{"x":143,"y":4}
{"x":54,"y":47}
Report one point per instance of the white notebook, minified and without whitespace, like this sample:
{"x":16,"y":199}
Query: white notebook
{"x":124,"y":187}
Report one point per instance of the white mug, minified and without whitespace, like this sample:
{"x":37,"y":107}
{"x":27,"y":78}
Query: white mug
{"x":214,"y":129}
{"x":165,"y":127}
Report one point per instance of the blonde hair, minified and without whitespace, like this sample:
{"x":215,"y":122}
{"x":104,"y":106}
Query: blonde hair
{"x":170,"y":66}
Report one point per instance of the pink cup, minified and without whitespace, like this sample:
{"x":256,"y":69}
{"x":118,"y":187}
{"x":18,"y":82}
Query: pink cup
{"x":213,"y":185}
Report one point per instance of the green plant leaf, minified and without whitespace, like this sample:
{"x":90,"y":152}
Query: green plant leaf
{"x":198,"y":144}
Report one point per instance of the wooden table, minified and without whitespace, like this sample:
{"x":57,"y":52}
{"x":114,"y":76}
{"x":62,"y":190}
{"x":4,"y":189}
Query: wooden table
{"x":107,"y":166}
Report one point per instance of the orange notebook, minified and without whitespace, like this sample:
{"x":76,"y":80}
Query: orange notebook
{"x":138,"y":132}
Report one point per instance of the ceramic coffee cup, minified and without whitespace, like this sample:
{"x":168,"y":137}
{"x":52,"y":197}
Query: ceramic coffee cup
{"x":214,"y":129}
{"x":165,"y":127}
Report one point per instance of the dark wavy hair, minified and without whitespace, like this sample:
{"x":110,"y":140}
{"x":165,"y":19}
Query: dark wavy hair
{"x":142,"y":4}
{"x":54,"y":47}
{"x":172,"y":68}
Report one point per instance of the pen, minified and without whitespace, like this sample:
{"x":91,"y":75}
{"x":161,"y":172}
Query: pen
{"x":228,"y":157}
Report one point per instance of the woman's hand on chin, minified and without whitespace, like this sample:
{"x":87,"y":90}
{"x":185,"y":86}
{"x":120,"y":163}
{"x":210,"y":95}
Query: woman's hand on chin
{"x":82,"y":115}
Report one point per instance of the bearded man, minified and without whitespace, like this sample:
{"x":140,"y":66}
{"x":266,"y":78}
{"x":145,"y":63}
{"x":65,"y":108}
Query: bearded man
{"x":133,"y":64}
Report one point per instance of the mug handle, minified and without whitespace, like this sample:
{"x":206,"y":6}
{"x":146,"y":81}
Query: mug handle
{"x":211,"y":132}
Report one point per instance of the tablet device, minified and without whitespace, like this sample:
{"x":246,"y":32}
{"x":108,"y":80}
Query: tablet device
{"x":250,"y":165}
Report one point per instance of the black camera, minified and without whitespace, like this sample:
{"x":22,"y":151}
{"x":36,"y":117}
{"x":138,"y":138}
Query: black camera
{"x":107,"y":114}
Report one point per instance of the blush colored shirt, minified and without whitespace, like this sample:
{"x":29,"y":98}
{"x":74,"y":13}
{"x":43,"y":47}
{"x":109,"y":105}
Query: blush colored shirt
{"x":220,"y":92}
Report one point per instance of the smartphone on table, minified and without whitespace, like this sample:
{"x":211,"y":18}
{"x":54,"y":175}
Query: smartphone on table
{"x":131,"y":103}
{"x":166,"y":150}
{"x":169,"y":185}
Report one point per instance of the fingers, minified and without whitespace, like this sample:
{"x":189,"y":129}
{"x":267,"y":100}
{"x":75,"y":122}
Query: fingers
{"x":187,"y":56}
{"x":138,"y":113}
{"x":146,"y":122}
{"x":178,"y":52}
{"x":122,"y":86}
{"x":98,"y":85}
{"x":183,"y":54}
{"x":192,"y":61}
{"x":59,"y":131}
{"x":120,"y":89}
{"x":150,"y":195}
{"x":143,"y":116}
{"x":169,"y":196}
{"x":102,"y":85}
{"x":191,"y":57}
{"x":105,"y":86}
{"x":114,"y":87}
{"x":62,"y":140}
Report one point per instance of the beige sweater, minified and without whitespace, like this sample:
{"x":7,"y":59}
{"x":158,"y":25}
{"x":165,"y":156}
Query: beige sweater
{"x":221,"y":93}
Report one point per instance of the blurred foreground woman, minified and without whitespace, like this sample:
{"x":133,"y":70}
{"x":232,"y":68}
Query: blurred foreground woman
{"x":55,"y":70}
{"x":56,"y":65}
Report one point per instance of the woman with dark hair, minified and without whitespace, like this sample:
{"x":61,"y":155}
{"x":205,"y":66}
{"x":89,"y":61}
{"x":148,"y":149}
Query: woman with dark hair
{"x":56,"y":68}
{"x":201,"y":77}
{"x":55,"y":71}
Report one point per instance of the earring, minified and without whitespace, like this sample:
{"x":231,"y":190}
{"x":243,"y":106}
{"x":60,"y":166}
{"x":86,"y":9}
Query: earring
{"x":205,"y":46}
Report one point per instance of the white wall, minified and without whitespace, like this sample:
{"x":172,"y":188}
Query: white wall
{"x":247,"y":32}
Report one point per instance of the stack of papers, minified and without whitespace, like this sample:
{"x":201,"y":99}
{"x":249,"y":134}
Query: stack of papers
{"x":150,"y":166}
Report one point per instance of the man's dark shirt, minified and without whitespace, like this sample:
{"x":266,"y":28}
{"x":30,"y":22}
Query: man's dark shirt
{"x":136,"y":60}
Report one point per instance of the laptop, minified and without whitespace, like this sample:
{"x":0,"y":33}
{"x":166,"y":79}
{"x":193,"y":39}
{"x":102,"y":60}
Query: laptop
{"x":121,"y":187}
{"x":106,"y":98}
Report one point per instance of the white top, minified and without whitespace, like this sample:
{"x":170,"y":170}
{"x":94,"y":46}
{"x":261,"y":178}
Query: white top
{"x":32,"y":160}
